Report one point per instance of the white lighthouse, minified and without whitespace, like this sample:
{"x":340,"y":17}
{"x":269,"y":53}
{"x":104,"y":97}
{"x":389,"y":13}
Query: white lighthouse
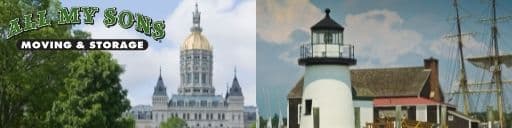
{"x":327,"y":96}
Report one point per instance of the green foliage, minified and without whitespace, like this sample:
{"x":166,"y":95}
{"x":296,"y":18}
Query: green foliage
{"x":32,"y":83}
{"x":252,"y":125}
{"x":275,"y":121}
{"x":263,"y":122}
{"x":94,"y":97}
{"x":173,"y":122}
{"x":31,"y":80}
{"x":128,"y":121}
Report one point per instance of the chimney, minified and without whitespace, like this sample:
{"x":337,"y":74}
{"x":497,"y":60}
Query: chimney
{"x":435,"y":88}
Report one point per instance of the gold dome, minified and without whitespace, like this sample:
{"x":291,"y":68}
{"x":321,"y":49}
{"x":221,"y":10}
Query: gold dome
{"x":196,"y":41}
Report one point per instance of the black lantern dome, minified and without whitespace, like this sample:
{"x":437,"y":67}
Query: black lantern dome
{"x":327,"y":23}
{"x":326,"y":45}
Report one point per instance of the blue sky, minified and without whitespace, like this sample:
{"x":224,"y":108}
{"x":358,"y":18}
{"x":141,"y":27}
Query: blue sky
{"x":391,"y":33}
{"x":230,"y":26}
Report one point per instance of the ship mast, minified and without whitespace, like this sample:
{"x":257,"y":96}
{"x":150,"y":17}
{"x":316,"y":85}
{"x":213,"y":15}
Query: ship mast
{"x":463,"y":85}
{"x":497,"y":66}
{"x":493,"y":63}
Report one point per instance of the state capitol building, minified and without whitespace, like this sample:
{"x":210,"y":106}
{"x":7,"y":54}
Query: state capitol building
{"x":196,"y":102}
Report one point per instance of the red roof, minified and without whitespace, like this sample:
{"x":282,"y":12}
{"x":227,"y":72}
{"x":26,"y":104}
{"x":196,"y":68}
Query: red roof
{"x":404,"y":101}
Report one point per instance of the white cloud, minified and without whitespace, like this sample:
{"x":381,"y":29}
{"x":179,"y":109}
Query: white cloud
{"x":141,"y":67}
{"x":278,"y":19}
{"x":230,"y":29}
{"x":471,"y":47}
{"x":291,"y":55}
{"x":378,"y":35}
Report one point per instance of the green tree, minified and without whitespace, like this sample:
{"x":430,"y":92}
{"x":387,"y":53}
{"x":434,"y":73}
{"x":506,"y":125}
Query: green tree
{"x":275,"y":121}
{"x":252,"y":125}
{"x":173,"y":122}
{"x":30,"y":81}
{"x":128,"y":121}
{"x":263,"y":122}
{"x":94,"y":97}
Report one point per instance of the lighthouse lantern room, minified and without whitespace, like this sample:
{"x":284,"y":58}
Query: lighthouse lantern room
{"x":327,"y":94}
{"x":326,"y":45}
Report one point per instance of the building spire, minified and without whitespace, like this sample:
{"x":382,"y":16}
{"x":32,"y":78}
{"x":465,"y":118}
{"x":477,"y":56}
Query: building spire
{"x":235,"y":71}
{"x":235,"y":89}
{"x":160,"y":74}
{"x":160,"y":89}
{"x":227,"y":90}
{"x":196,"y":20}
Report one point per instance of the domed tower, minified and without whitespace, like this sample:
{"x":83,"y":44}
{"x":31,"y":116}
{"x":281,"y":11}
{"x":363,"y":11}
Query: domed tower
{"x":327,"y":96}
{"x":196,"y":61}
{"x":160,"y":97}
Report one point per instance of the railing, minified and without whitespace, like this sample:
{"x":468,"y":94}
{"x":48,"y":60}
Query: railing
{"x":326,"y":51}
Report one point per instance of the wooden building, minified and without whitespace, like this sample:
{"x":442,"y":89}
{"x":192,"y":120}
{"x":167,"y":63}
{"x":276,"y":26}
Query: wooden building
{"x":415,"y":92}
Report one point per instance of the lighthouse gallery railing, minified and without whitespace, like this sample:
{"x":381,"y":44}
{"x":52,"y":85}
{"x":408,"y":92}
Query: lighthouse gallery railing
{"x":326,"y":51}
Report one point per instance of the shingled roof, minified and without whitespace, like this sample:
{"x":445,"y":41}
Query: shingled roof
{"x":384,"y":82}
{"x":389,"y":82}
{"x":296,"y":91}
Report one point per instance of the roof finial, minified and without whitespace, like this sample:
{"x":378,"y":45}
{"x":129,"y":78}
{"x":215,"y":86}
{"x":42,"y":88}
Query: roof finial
{"x":196,"y":17}
{"x":160,"y":70}
{"x":327,"y":11}
{"x":196,"y":7}
{"x":227,"y":89}
{"x":235,"y":71}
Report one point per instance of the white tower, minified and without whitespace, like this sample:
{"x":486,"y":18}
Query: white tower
{"x":327,"y":95}
{"x":160,"y":99}
{"x":235,"y":99}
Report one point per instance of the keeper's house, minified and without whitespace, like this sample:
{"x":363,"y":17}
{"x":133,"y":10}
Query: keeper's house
{"x":378,"y":94}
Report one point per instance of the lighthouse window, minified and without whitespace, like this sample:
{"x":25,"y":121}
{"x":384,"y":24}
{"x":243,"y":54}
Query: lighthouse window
{"x":328,"y":38}
{"x":308,"y":107}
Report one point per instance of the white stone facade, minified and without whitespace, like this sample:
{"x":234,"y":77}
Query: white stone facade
{"x":196,"y":102}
